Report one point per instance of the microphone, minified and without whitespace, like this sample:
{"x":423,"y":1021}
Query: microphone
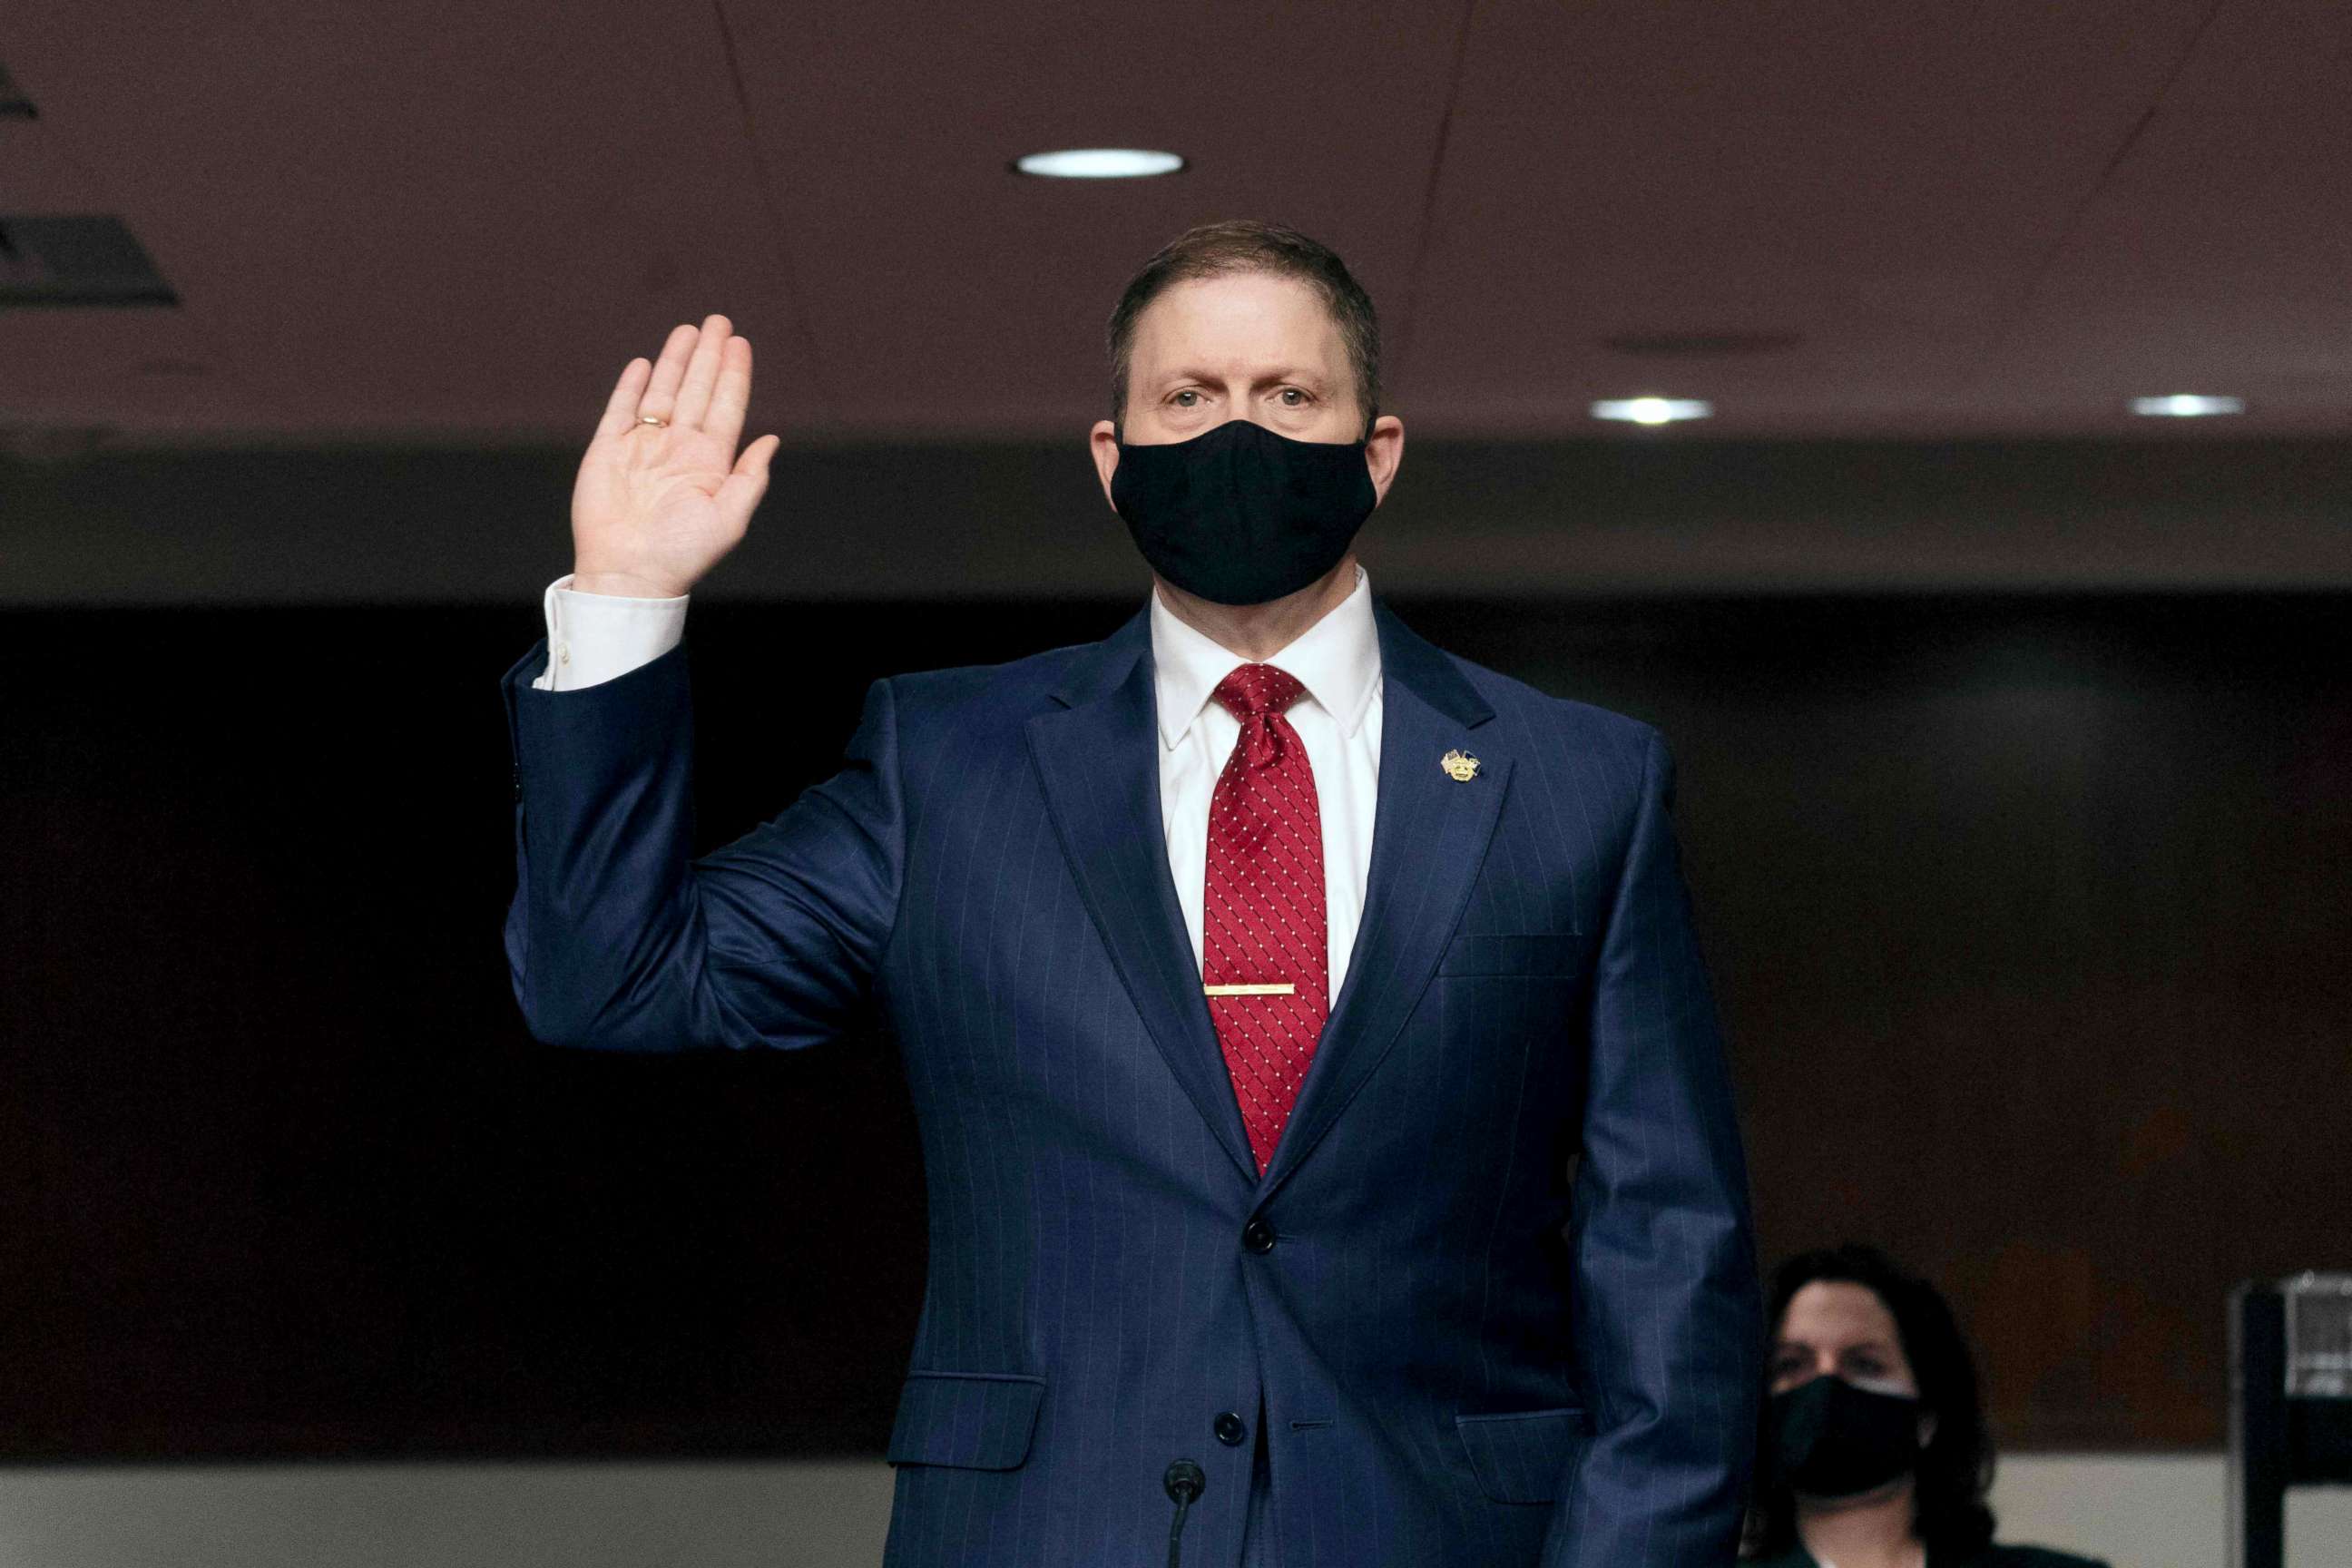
{"x":1185,"y":1483}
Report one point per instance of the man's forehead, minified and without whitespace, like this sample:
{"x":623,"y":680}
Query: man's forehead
{"x":1239,"y":319}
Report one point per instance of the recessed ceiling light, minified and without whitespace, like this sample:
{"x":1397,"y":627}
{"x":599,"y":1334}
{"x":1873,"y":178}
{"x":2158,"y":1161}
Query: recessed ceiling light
{"x":1100,"y":164}
{"x":1652,"y":410}
{"x":2187,"y":405}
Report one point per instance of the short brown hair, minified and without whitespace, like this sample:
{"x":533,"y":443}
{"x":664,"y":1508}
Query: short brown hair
{"x":1214,"y":249}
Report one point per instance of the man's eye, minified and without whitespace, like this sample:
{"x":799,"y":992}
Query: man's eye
{"x":1183,"y":399}
{"x":1289,"y":392}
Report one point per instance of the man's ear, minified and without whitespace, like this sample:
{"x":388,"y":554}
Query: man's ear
{"x":1102,"y":443}
{"x":1383,"y":453}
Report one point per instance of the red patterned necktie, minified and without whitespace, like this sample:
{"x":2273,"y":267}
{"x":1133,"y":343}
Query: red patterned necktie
{"x":1263,"y":960}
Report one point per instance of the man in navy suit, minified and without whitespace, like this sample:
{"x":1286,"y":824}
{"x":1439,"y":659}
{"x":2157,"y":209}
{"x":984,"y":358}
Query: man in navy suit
{"x":1330,"y":1154}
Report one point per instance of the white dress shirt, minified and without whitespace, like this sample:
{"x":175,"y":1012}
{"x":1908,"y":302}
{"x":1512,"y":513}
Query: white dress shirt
{"x":594,"y":637}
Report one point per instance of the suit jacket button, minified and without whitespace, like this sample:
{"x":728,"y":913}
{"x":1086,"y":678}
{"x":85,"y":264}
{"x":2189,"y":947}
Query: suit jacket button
{"x":1258,"y":1235}
{"x":1229,"y":1428}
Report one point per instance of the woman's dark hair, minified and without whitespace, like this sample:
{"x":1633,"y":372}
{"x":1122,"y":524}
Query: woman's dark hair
{"x":1955,"y":1468}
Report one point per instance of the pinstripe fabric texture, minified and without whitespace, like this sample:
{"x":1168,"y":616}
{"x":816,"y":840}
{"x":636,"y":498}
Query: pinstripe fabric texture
{"x":1494,"y":1300}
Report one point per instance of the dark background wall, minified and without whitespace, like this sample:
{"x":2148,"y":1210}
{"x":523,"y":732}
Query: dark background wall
{"x":2028,"y":915}
{"x":1656,"y":513}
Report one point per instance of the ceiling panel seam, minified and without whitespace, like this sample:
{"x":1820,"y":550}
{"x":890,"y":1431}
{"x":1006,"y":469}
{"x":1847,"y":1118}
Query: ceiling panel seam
{"x":820,"y":382}
{"x":1428,"y":219}
{"x":2015,"y":316}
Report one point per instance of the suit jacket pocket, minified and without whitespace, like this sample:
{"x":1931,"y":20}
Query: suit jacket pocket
{"x":1497,"y":952}
{"x":1524,"y":1456}
{"x":982,"y":1420}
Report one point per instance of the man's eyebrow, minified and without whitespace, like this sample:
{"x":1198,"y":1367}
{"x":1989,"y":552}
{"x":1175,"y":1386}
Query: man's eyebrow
{"x":1286,"y":373}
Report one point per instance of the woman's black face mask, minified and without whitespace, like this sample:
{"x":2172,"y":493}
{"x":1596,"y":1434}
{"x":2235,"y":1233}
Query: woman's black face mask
{"x":1828,"y":1438}
{"x":1241,"y":515}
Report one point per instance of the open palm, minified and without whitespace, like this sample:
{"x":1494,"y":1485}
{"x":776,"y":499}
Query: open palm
{"x":654,"y":506}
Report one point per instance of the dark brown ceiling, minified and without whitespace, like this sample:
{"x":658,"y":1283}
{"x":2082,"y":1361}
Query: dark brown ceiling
{"x":453,"y":223}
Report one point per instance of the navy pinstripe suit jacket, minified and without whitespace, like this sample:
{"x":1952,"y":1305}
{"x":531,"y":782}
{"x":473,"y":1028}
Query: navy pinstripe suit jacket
{"x":1508,"y":1314}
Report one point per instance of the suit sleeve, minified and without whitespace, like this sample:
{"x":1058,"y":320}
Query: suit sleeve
{"x":1667,"y":1310}
{"x":617,"y":939}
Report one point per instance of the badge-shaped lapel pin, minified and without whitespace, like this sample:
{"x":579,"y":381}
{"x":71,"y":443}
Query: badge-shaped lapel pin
{"x":1460,"y":766}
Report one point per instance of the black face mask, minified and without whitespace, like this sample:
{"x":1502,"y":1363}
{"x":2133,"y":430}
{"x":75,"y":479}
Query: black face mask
{"x":1828,"y":1438}
{"x":1240,"y":515}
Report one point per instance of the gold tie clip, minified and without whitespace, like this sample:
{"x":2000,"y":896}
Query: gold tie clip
{"x":1280,"y":988}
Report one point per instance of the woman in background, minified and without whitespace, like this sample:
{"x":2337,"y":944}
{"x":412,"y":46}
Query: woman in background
{"x":1873,"y":1450}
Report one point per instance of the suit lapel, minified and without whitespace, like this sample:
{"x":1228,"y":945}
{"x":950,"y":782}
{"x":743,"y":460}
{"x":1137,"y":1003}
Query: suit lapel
{"x":1096,"y":760}
{"x":1430,"y":833}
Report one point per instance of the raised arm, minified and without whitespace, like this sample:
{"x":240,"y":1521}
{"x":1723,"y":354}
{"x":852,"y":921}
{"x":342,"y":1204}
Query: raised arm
{"x":616,"y":938}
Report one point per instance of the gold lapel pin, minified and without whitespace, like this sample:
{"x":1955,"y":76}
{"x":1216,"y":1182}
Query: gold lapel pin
{"x":1460,"y":766}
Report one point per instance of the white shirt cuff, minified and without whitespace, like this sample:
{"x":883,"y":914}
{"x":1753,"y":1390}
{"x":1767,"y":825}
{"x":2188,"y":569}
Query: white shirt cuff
{"x":592,"y":638}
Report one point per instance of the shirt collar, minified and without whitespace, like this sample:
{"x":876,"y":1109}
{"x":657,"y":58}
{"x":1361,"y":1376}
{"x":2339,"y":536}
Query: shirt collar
{"x":1338,"y":659}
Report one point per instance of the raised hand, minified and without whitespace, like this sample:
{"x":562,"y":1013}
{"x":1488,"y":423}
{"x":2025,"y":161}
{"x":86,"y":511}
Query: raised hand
{"x":655,"y":508}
